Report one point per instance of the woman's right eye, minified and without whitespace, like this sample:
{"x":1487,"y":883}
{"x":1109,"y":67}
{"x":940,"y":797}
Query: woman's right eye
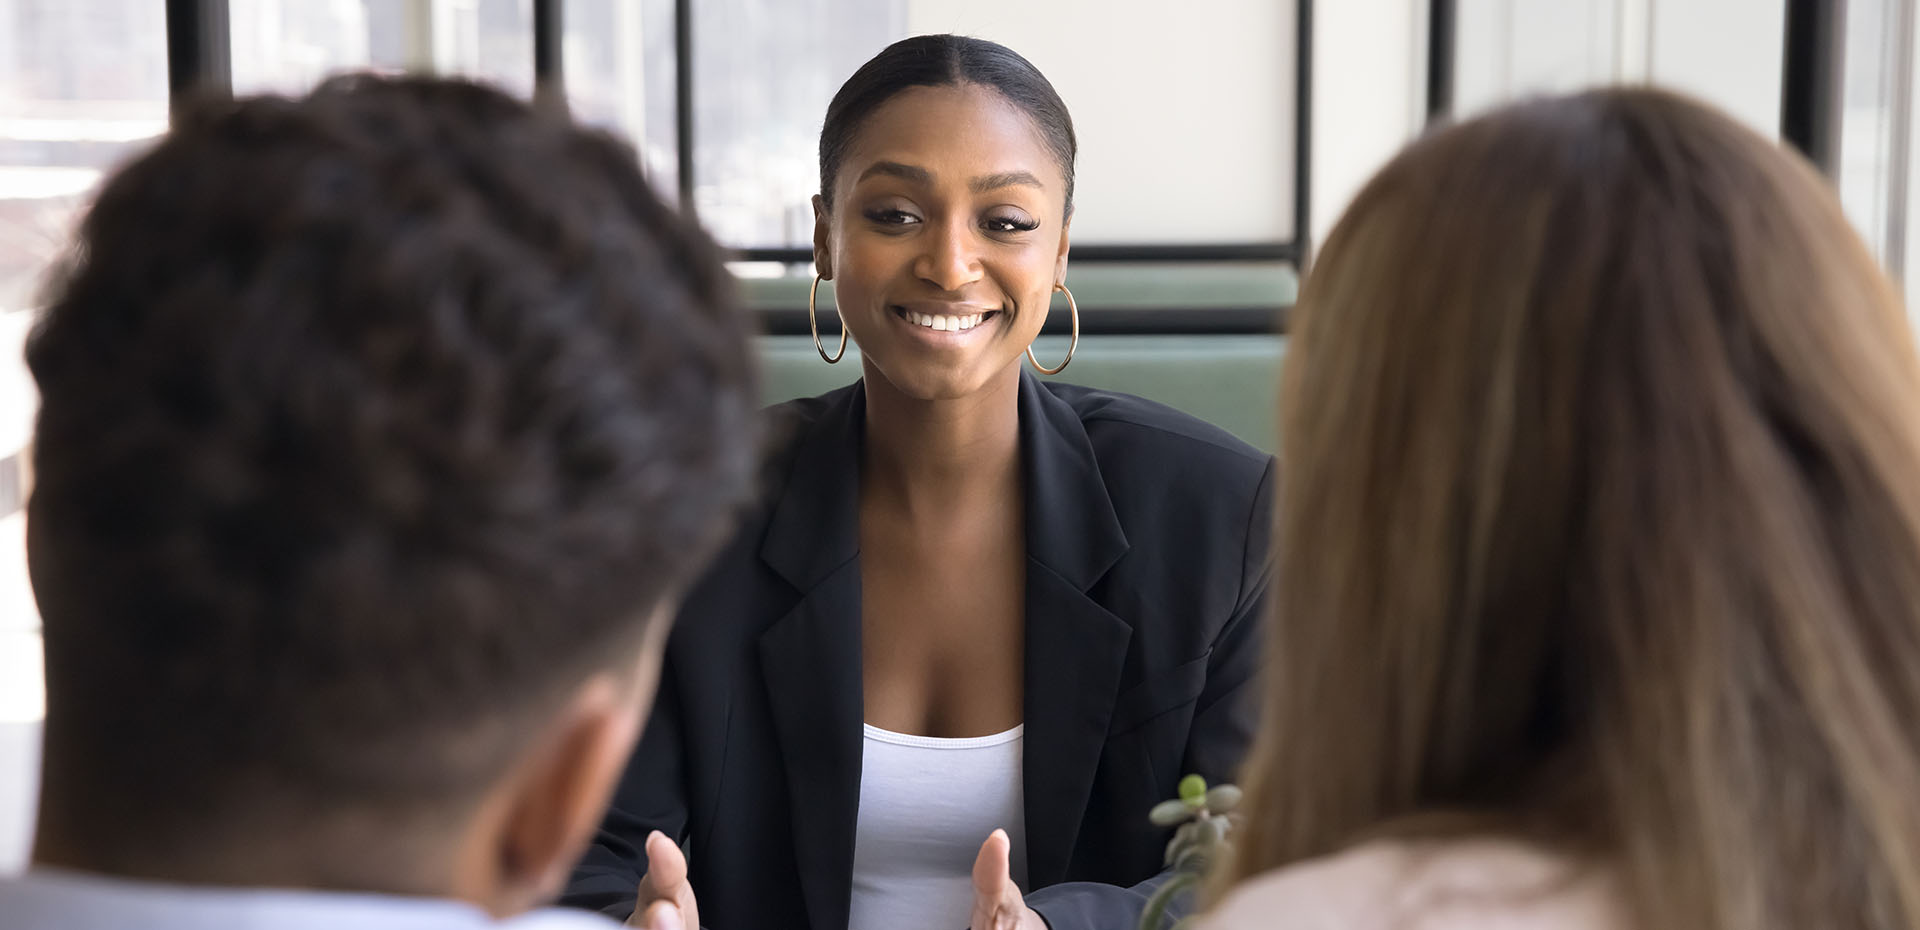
{"x":890,"y":217}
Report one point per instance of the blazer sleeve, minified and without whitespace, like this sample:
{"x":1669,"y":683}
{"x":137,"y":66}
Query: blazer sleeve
{"x":1229,"y":707}
{"x":651,"y":796}
{"x":1093,"y":906}
{"x":1222,"y":729}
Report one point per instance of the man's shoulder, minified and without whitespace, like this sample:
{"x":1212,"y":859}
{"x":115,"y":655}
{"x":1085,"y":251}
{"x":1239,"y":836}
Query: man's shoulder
{"x":48,"y":899}
{"x":559,"y":918}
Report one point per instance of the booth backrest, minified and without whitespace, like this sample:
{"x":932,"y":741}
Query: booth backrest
{"x":1227,"y":380}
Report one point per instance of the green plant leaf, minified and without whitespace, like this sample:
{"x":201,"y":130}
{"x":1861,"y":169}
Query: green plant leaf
{"x":1193,"y":790}
{"x":1222,"y":799}
{"x":1170,"y":813}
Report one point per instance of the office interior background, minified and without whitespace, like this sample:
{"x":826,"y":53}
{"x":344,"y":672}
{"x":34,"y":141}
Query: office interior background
{"x":1220,"y":140}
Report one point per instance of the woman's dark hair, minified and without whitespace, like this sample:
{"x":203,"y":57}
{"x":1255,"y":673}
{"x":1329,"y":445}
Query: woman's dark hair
{"x":944,"y":61}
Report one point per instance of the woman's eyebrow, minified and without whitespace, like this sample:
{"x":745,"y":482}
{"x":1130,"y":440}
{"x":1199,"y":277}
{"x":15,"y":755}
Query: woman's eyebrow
{"x":984,"y":183}
{"x":914,"y":173}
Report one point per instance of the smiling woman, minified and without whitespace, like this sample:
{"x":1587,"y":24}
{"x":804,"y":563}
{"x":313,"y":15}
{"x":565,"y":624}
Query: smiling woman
{"x":947,"y":243}
{"x":982,"y":622}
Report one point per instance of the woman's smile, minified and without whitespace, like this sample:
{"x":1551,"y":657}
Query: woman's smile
{"x":937,"y":323}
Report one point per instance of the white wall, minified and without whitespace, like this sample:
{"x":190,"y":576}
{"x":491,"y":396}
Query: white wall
{"x":1369,"y":95}
{"x":1184,"y":110}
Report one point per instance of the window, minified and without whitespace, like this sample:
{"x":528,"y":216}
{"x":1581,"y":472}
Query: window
{"x":287,"y":46}
{"x":619,"y":75}
{"x":1874,"y":141}
{"x":83,"y":83}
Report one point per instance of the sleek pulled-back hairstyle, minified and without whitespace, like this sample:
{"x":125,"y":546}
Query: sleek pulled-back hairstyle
{"x":1601,"y":523}
{"x":944,"y":61}
{"x":372,"y":422}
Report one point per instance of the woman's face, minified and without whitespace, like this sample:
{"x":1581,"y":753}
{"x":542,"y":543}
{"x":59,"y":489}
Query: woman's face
{"x":947,"y":233}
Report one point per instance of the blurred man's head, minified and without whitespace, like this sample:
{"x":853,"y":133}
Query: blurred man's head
{"x":379,"y":430}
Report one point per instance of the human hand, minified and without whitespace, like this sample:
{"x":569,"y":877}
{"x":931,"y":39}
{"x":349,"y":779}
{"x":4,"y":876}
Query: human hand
{"x":997,"y":902}
{"x":666,"y":899}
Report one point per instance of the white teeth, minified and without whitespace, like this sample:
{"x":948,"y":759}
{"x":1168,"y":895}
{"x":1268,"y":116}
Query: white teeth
{"x":945,"y":324}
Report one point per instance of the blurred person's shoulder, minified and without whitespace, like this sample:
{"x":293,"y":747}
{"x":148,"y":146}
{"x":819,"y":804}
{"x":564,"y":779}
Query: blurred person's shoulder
{"x":1427,"y":885}
{"x":58,"y":899}
{"x":559,"y":918}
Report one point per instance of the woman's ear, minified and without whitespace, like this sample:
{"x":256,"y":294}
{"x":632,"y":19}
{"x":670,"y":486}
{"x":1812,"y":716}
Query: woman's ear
{"x":822,"y":238}
{"x":1060,"y":261}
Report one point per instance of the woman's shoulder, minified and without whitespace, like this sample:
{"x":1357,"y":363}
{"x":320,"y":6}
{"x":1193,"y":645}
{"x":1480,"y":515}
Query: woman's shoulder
{"x":1144,"y":425}
{"x":1428,"y":885}
{"x":1174,"y":479}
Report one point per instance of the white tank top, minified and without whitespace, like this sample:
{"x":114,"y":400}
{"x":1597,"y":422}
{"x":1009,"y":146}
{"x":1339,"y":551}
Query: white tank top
{"x":926,"y":806}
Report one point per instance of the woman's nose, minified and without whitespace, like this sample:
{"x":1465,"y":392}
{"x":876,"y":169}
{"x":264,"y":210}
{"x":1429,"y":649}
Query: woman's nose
{"x":951,"y":260}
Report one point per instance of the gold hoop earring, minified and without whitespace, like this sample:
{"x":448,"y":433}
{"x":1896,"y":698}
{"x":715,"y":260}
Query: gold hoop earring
{"x":1074,"y":309}
{"x":814,"y":324}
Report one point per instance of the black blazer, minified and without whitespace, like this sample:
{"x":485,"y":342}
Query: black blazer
{"x":1146,"y":569}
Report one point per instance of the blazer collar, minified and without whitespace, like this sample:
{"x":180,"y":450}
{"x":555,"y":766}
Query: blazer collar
{"x":1076,"y":649}
{"x":1071,"y":525}
{"x":1072,"y":528}
{"x":815,"y":525}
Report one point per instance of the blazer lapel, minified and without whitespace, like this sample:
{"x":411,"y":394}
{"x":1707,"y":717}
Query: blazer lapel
{"x":810,"y":658}
{"x":1076,"y":649}
{"x":811,"y":662}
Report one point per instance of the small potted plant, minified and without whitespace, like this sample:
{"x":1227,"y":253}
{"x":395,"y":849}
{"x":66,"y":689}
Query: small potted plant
{"x":1203,"y":818}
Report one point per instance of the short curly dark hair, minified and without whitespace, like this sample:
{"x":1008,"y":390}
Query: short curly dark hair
{"x":370,"y":420}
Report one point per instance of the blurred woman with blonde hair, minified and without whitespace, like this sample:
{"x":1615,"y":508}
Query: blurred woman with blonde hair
{"x":1598,"y":601}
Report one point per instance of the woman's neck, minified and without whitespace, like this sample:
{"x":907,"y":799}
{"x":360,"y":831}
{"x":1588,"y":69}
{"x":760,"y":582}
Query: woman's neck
{"x":930,"y":456}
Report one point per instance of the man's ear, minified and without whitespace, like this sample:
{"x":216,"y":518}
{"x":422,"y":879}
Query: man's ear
{"x":558,"y":795}
{"x":822,"y":238}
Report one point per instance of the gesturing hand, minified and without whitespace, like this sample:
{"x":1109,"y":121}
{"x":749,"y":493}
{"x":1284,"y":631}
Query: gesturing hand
{"x":666,"y":897}
{"x":997,"y":903}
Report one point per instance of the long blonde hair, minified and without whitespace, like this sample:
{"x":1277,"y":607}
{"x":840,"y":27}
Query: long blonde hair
{"x":1600,"y":522}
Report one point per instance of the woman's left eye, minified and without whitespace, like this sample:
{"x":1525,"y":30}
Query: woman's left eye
{"x":1010,"y":224}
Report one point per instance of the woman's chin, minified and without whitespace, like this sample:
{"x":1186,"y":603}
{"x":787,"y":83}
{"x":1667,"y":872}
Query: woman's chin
{"x":919,"y":380}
